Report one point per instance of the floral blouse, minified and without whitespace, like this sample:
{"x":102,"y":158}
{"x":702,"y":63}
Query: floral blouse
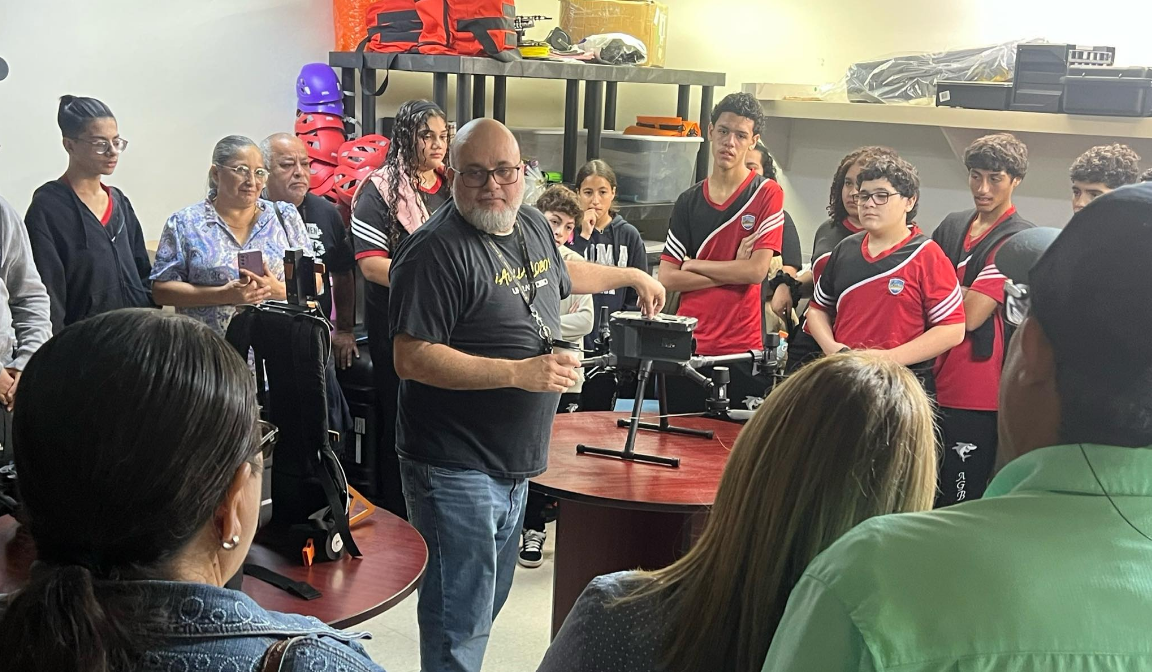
{"x":197,"y":247}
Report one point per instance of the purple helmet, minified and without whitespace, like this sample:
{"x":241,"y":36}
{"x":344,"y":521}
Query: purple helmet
{"x":336,"y":108}
{"x":317,"y":84}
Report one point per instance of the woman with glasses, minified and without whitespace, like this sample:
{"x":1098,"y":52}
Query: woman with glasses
{"x":197,"y":267}
{"x":86,"y":239}
{"x":143,"y":505}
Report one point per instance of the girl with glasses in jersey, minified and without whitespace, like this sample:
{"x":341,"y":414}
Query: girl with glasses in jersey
{"x":197,"y":261}
{"x":86,"y":238}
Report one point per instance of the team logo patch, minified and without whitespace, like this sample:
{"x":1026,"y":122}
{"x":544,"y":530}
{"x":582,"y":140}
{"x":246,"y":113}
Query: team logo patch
{"x":895,"y":286}
{"x":748,"y":221}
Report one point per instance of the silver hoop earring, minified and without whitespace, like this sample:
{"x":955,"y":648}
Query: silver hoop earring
{"x":231,"y":544}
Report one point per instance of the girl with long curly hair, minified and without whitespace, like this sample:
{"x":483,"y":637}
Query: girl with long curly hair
{"x":392,"y":203}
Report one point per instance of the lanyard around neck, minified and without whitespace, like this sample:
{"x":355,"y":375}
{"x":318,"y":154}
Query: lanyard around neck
{"x":526,"y":288}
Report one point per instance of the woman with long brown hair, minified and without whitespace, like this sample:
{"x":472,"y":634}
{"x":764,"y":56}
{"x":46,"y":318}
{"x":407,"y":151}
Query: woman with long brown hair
{"x":846,"y":438}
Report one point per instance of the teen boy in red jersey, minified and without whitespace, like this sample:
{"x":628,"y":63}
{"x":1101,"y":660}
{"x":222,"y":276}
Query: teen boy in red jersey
{"x":701,"y":257}
{"x":968,"y":376}
{"x":888,"y":289}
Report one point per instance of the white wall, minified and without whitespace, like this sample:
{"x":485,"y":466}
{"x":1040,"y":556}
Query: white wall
{"x":178,"y":76}
{"x":181,"y":75}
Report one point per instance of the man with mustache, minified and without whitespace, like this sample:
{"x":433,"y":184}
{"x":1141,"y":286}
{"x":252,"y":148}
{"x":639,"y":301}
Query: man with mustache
{"x":475,"y":301}
{"x":287,"y":161}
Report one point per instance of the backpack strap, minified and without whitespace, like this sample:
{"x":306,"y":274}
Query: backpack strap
{"x":328,"y":471}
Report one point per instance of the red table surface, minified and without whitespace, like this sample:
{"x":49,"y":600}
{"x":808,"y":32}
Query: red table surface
{"x":353,"y":589}
{"x":636,"y":485}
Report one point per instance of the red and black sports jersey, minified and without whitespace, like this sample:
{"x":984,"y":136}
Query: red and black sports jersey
{"x":827,"y":237}
{"x":886,"y":301}
{"x":963,"y":380}
{"x":729,"y":316}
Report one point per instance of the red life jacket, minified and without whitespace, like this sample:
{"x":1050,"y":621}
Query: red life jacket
{"x":443,"y":27}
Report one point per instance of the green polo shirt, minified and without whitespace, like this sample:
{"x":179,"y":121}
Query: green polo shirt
{"x":1041,"y":574}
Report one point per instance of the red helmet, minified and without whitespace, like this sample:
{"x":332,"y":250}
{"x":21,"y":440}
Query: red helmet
{"x":308,"y":122}
{"x":320,"y":173}
{"x":325,"y":187}
{"x":324,"y":145}
{"x":369,"y":150}
{"x":348,"y":181}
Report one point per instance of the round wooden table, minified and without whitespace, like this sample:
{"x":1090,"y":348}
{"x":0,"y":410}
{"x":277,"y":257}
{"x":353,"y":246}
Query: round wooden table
{"x":352,"y":589}
{"x":618,"y":515}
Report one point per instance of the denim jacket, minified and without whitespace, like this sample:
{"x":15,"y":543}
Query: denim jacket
{"x":209,"y":628}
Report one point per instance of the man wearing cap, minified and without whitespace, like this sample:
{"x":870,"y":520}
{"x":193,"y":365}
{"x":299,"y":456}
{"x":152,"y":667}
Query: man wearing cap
{"x":25,"y":317}
{"x":1052,"y":569}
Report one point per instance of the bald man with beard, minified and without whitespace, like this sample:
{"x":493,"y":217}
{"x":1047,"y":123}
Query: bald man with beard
{"x":475,"y":299}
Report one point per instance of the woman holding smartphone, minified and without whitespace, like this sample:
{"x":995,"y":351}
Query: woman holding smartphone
{"x":198,"y":261}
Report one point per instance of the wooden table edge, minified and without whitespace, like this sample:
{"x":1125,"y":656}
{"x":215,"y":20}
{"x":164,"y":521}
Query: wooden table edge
{"x":607,"y":502}
{"x":372,"y":612}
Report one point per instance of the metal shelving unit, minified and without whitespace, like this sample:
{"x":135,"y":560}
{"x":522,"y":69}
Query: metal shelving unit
{"x":471,"y":80}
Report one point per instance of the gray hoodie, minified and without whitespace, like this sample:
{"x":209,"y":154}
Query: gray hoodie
{"x":25,"y":315}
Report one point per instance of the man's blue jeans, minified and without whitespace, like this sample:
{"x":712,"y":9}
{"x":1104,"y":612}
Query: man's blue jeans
{"x":471,"y":523}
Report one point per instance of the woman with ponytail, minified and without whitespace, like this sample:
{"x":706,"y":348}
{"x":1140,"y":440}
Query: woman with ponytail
{"x":142,"y":503}
{"x":392,"y":203}
{"x":86,"y":239}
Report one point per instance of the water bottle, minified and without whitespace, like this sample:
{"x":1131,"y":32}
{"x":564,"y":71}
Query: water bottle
{"x":782,"y":349}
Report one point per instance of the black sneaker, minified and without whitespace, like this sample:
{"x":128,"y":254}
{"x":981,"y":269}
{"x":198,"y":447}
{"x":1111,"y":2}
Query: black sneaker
{"x":532,"y":548}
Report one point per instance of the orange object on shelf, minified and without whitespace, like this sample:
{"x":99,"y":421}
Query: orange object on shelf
{"x":348,"y":17}
{"x":669,"y":127}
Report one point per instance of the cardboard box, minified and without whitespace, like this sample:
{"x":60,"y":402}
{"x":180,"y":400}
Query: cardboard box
{"x":643,"y":19}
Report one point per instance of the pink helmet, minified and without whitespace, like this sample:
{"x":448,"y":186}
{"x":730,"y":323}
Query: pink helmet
{"x":309,"y":122}
{"x":324,"y":145}
{"x":369,"y":150}
{"x":348,"y":181}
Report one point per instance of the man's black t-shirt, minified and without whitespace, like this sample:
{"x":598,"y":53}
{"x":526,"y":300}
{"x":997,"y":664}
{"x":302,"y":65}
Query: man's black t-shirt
{"x":450,"y":287}
{"x":330,"y":244}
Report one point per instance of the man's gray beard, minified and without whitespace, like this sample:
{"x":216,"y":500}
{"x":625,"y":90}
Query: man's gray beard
{"x":494,"y":222}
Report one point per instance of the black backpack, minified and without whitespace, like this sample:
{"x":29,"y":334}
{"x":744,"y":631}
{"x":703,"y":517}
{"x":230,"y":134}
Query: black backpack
{"x":310,"y":497}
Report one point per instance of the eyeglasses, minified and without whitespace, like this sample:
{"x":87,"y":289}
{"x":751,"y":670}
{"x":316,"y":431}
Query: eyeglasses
{"x":103,"y":147}
{"x":245,"y":173}
{"x":877,"y":197}
{"x":478,"y":177}
{"x":1017,"y":303}
{"x":269,"y":434}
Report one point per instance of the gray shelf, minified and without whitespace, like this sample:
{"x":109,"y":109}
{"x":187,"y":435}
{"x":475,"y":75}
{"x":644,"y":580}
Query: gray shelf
{"x":472,"y":73}
{"x":524,"y":68}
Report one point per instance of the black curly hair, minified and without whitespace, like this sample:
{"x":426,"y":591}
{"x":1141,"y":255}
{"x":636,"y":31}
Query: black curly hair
{"x":860,"y":155}
{"x":998,"y":152}
{"x":1114,"y":165}
{"x":403,"y":159}
{"x":742,"y":104}
{"x":899,"y":173}
{"x":766,"y":161}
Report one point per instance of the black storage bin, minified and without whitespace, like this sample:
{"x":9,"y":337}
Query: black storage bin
{"x":974,"y":95}
{"x":1038,"y":79}
{"x":1122,"y":92}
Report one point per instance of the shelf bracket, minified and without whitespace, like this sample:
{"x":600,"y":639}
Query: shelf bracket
{"x":958,"y":139}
